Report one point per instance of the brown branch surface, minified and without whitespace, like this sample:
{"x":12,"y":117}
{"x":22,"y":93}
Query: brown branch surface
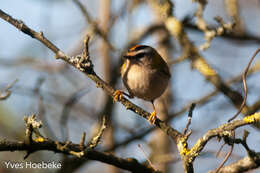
{"x":66,"y":148}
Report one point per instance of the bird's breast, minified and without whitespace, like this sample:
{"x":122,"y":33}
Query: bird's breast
{"x":144,"y":83}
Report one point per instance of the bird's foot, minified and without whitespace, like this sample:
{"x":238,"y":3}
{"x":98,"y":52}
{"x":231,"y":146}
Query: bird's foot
{"x":118,"y":95}
{"x":152,"y":118}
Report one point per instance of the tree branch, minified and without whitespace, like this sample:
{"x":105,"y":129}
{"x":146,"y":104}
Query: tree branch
{"x":57,"y":147}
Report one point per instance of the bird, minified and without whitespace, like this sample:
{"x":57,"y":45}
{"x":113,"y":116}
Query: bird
{"x":145,"y":75}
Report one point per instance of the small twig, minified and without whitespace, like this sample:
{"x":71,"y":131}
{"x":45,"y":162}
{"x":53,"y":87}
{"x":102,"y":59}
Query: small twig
{"x":7,"y":91}
{"x":219,"y":151}
{"x":245,"y":85}
{"x":225,"y":159}
{"x":242,"y":141}
{"x":147,"y":158}
{"x":85,"y":51}
{"x":210,"y":34}
{"x":189,"y":118}
{"x":32,"y":125}
{"x":65,"y":148}
{"x":96,"y":138}
{"x":231,"y":143}
{"x":93,"y":24}
{"x":82,"y":140}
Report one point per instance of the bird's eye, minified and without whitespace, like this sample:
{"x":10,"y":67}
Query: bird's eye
{"x":139,"y":55}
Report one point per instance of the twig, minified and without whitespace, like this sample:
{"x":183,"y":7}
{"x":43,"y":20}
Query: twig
{"x":245,"y":85}
{"x":210,"y":34}
{"x":221,"y":131}
{"x":229,"y":142}
{"x":93,"y":24}
{"x":147,"y":158}
{"x":7,"y":91}
{"x":225,"y":159}
{"x":189,"y":118}
{"x":254,"y":157}
{"x":32,"y":125}
{"x":219,"y":151}
{"x":247,"y":164}
{"x":82,"y":140}
{"x":246,"y":37}
{"x":96,"y":138}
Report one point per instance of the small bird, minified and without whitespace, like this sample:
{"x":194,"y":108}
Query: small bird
{"x":145,"y":75}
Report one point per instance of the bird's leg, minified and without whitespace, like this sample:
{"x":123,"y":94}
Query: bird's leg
{"x":152,"y":116}
{"x":118,"y":94}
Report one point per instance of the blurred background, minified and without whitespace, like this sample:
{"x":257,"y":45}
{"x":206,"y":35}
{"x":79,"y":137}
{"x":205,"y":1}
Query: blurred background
{"x":68,"y":103}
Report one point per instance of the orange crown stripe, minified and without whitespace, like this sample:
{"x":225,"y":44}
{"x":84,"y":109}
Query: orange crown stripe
{"x":134,"y":47}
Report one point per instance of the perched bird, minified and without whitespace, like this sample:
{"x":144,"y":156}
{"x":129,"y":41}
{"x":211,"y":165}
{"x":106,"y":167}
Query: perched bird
{"x":145,"y":75}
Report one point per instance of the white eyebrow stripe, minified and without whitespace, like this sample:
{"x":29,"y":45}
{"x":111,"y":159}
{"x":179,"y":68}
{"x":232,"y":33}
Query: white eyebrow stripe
{"x":145,"y":50}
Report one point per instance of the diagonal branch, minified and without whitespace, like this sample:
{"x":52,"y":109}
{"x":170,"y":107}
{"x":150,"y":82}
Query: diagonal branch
{"x":85,"y":65}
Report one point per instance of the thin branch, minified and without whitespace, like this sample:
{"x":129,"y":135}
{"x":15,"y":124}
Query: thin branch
{"x":229,"y":153}
{"x":230,"y":36}
{"x":210,"y":34}
{"x":221,"y":131}
{"x":242,"y":165}
{"x":189,"y":118}
{"x":7,"y":91}
{"x":245,"y":85}
{"x":82,"y":140}
{"x":225,"y":159}
{"x":97,"y":137}
{"x":147,"y":158}
{"x":69,"y":148}
{"x":93,"y":24}
{"x":245,"y":164}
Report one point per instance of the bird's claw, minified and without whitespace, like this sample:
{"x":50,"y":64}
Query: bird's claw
{"x":152,"y":118}
{"x":117,"y":95}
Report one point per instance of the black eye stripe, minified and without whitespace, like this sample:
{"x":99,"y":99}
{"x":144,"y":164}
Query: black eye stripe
{"x":139,"y":55}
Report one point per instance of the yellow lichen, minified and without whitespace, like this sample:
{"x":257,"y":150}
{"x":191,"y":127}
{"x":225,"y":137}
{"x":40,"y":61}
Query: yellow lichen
{"x":252,"y":118}
{"x":39,"y":139}
{"x":183,"y":147}
{"x":204,"y":68}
